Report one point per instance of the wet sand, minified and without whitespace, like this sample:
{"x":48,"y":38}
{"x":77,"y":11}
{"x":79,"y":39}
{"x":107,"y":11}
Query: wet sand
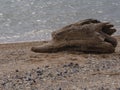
{"x":21,"y":69}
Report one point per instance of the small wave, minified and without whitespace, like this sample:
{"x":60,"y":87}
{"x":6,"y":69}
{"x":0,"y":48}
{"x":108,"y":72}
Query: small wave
{"x":34,"y":35}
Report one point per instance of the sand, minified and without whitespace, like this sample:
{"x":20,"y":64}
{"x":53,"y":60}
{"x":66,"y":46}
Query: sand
{"x":21,"y":69}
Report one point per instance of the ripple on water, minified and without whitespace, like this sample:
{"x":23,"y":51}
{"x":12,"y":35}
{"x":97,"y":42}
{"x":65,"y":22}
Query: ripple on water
{"x":21,"y":16}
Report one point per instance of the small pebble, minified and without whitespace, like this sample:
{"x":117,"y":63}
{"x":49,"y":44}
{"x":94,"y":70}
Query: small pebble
{"x":65,"y":65}
{"x":38,"y":68}
{"x":71,"y":64}
{"x":39,"y":72}
{"x":16,"y":70}
{"x":59,"y":74}
{"x":60,"y":89}
{"x":118,"y":89}
{"x":46,"y":66}
{"x":76,"y":65}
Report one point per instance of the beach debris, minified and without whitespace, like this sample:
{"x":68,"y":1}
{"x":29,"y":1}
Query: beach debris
{"x":89,"y":36}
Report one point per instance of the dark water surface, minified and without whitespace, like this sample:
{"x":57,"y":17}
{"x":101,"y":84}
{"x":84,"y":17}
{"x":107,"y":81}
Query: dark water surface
{"x":31,"y":20}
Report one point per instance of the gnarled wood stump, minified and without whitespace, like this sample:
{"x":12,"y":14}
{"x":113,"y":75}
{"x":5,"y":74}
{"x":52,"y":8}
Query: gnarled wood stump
{"x":88,"y":35}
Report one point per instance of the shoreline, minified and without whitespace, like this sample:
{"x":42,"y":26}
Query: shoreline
{"x":62,"y":70}
{"x":36,"y":41}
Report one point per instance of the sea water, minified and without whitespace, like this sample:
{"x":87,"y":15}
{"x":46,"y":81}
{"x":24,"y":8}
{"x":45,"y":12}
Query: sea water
{"x":32,"y":20}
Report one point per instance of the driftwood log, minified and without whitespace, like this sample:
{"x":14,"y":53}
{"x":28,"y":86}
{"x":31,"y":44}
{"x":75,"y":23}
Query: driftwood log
{"x":90,"y":36}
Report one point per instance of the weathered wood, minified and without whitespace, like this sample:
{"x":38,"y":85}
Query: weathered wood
{"x":88,"y":35}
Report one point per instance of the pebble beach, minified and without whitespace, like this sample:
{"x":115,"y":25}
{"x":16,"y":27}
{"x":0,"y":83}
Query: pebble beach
{"x":21,"y":69}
